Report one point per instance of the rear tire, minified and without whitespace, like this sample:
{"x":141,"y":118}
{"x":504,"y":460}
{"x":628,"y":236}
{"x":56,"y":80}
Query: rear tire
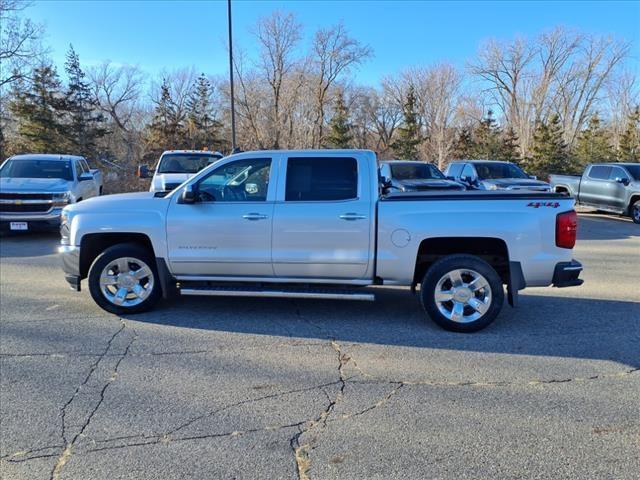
{"x":635,"y":212}
{"x":462,"y":293}
{"x":124,"y":280}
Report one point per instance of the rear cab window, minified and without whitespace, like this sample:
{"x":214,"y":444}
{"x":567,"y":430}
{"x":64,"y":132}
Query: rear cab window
{"x":600,"y":172}
{"x":316,"y":179}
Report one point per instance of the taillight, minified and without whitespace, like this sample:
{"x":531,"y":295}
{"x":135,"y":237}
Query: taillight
{"x":566,"y":229}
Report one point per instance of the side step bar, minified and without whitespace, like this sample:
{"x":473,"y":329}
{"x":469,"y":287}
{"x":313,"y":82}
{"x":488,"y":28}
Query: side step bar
{"x":321,"y":293}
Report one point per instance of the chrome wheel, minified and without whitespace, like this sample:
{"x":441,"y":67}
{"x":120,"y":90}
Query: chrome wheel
{"x":463,"y":295}
{"x":126,"y":281}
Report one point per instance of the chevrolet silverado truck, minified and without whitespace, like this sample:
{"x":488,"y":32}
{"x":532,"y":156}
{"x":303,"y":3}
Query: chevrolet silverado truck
{"x":313,"y":224}
{"x":612,"y":187}
{"x":34,"y":189}
{"x":414,"y":176}
{"x":176,"y":166}
{"x":494,"y":175}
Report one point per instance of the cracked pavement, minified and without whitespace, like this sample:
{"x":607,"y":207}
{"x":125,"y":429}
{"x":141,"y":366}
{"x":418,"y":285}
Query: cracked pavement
{"x":275,"y":388}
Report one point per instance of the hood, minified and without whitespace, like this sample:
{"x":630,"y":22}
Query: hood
{"x":168,"y":181}
{"x":516,"y":182}
{"x":430,"y":184}
{"x":126,"y":202}
{"x":36,"y":185}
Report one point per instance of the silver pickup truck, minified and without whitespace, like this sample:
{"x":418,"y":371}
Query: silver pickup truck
{"x":313,"y":224}
{"x":612,"y":187}
{"x":34,"y":188}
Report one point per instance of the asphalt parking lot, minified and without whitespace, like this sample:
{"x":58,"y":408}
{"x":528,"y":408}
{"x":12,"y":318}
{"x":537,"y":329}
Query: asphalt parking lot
{"x":270,"y":388}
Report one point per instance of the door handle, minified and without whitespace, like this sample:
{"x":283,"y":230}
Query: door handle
{"x":352,"y":216}
{"x":254,"y":216}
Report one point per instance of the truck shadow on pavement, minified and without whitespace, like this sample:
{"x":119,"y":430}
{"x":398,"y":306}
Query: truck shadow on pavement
{"x":541,"y":325}
{"x":594,"y":226}
{"x":29,"y":244}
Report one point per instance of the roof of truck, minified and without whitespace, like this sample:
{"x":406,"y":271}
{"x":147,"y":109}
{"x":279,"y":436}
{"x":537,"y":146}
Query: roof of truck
{"x":207,"y":152}
{"x":45,"y":156}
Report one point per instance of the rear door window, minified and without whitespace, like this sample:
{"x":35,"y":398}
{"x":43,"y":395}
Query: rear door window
{"x":312,"y":179}
{"x":600,"y":172}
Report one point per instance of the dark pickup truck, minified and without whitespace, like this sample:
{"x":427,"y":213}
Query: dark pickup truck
{"x":612,"y":187}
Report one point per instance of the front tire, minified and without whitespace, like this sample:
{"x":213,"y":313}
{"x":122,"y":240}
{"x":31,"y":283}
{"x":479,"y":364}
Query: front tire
{"x":124,"y":280}
{"x":462,"y":293}
{"x":635,"y":212}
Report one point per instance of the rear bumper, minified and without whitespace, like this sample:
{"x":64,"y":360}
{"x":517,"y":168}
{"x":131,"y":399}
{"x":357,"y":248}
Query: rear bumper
{"x":566,"y":274}
{"x":70,"y":258}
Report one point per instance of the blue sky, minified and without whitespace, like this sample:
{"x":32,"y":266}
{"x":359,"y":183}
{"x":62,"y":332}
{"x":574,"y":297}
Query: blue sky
{"x":165,"y":35}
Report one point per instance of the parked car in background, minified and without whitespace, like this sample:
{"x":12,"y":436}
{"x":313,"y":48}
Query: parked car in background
{"x":612,"y":187}
{"x":176,"y":166}
{"x":35,"y":187}
{"x":312,"y":224}
{"x":494,"y":175}
{"x":408,"y":176}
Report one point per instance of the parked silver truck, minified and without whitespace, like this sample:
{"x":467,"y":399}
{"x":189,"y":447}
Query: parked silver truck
{"x":35,"y":187}
{"x":612,"y":187}
{"x":313,"y":224}
{"x":493,"y":175}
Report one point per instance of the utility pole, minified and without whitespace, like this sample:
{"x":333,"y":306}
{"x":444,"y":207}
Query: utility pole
{"x":233,"y":107}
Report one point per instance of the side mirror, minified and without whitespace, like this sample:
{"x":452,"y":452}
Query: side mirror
{"x":189,"y":194}
{"x":623,"y":181}
{"x":85,"y":176}
{"x":143,"y":171}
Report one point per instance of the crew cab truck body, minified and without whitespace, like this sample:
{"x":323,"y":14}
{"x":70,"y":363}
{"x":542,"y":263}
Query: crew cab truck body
{"x":176,"y":166}
{"x":612,"y":187}
{"x":34,"y":188}
{"x":313,"y":224}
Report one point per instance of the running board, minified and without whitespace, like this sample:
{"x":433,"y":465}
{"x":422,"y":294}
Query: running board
{"x":319,"y":293}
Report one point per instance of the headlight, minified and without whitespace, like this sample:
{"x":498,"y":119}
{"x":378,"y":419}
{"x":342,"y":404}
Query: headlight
{"x":64,"y":228}
{"x":61,"y":199}
{"x":492,"y":186}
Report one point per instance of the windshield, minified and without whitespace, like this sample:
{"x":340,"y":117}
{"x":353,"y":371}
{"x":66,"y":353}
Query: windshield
{"x":32,"y":168}
{"x":496,"y":170}
{"x":634,"y":170}
{"x":185,"y":162}
{"x":410,"y":171}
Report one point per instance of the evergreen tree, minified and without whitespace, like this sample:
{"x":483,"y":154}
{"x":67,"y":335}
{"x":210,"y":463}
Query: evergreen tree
{"x":594,"y":143}
{"x":549,"y":151}
{"x":39,"y":109}
{"x":202,"y":126}
{"x":164,"y":129}
{"x":465,"y":146}
{"x":629,"y":150}
{"x":509,"y":147}
{"x":488,"y":141}
{"x":406,"y":144}
{"x":339,"y":128}
{"x":86,"y":122}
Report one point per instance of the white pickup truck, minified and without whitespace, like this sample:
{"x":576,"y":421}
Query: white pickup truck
{"x":35,"y":187}
{"x":176,"y":166}
{"x":313,"y":224}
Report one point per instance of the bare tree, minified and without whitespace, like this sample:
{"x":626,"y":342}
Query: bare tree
{"x":334,"y":52}
{"x":118,"y":90}
{"x":20,"y":46}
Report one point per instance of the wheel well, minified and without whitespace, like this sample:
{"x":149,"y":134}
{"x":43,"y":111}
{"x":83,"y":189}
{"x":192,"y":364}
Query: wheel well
{"x":494,"y":251}
{"x":633,"y":200}
{"x":93,"y":244}
{"x":561,"y":189}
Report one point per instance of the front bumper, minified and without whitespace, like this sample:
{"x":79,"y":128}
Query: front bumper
{"x":36,"y":221}
{"x":566,"y":274}
{"x":70,"y":257}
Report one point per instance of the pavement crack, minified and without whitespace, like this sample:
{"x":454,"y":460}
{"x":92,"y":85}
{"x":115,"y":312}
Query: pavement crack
{"x":70,"y":442}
